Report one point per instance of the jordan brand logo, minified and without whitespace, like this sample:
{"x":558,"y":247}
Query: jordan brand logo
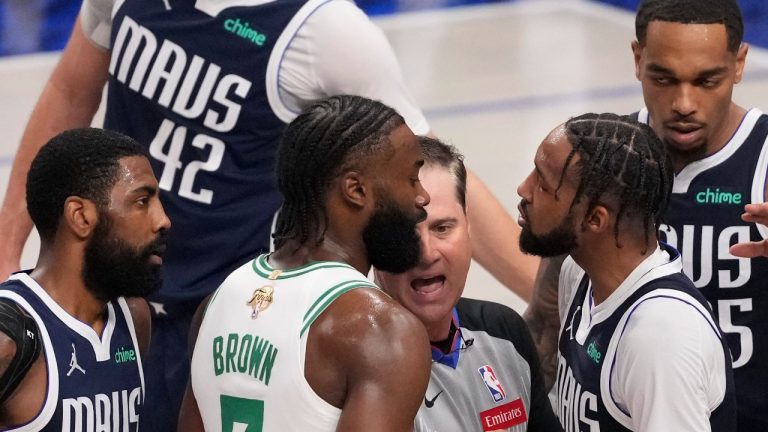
{"x":431,"y":402}
{"x":73,"y":363}
{"x":570,"y":327}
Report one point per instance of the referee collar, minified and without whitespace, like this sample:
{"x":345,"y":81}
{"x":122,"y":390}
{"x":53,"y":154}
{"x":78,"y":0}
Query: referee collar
{"x":451,"y":358}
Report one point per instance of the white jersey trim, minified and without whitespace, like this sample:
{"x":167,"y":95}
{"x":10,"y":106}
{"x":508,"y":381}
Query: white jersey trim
{"x":656,"y":265}
{"x":758,"y":183}
{"x":684,"y":178}
{"x":52,"y":398}
{"x":214,"y":7}
{"x":279,"y":108}
{"x":129,"y":320}
{"x":101,"y":344}
{"x":607,"y":372}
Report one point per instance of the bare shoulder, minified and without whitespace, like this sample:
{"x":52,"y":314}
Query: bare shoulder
{"x":366,"y":313}
{"x":142,"y":321}
{"x":371,"y":358}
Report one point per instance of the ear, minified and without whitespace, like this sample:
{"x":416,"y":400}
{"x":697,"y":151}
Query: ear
{"x":637,"y":51}
{"x":597,"y":220}
{"x":80,"y":216}
{"x":741,"y":57}
{"x":355,"y":190}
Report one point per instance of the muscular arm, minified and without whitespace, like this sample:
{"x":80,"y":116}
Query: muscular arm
{"x":370,"y":357}
{"x":69,"y":100}
{"x":543,"y":316}
{"x":190,"y":419}
{"x":495,"y":236}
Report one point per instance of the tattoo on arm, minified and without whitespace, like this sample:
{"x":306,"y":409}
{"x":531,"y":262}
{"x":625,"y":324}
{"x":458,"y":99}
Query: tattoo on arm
{"x":543,"y":316}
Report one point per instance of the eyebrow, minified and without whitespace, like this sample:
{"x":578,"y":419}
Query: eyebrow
{"x":149,"y":190}
{"x":443,"y":220}
{"x":653,"y":67}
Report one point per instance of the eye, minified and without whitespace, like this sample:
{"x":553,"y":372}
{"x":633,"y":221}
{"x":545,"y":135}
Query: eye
{"x":662,"y":81}
{"x":709,"y":83}
{"x":142,"y":201}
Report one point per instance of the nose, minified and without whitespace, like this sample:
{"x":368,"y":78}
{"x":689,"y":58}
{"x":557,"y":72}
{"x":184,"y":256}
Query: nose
{"x":684,"y":102}
{"x":429,"y":253}
{"x":422,"y":196}
{"x":162,"y":222}
{"x":524,"y":189}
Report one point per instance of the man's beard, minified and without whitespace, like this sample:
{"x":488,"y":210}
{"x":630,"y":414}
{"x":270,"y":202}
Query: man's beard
{"x":113,"y":268}
{"x":559,"y":241}
{"x":391,"y":240}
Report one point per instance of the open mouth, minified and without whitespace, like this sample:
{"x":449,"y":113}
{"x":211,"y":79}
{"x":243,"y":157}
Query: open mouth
{"x":428,"y":285}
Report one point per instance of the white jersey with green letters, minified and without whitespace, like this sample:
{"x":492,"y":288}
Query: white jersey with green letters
{"x":248,"y":361}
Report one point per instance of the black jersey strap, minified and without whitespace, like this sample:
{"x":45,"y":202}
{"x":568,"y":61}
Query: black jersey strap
{"x":23,"y":330}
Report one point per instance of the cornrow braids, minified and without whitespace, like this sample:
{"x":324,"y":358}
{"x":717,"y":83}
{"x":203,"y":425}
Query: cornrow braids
{"x":724,"y":12}
{"x":328,"y":138}
{"x":621,"y":162}
{"x":79,"y":162}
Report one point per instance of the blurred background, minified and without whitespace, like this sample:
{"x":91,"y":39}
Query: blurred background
{"x":28,"y":26}
{"x":493,"y":77}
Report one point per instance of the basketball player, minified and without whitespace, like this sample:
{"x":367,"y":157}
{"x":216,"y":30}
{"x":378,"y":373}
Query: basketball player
{"x":71,"y":345}
{"x":639,"y":348}
{"x":207,"y":87}
{"x":485,"y":371}
{"x":718,"y":149}
{"x":688,"y":56}
{"x":299,"y":339}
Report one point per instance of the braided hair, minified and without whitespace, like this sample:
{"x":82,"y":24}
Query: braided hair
{"x":328,"y":138}
{"x":623,"y":163}
{"x":724,"y":12}
{"x":79,"y":162}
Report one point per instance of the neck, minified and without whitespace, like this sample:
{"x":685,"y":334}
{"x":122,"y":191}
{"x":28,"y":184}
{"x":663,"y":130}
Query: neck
{"x":608,"y":265}
{"x":292,"y":255}
{"x":439,"y":331}
{"x":59,"y":272}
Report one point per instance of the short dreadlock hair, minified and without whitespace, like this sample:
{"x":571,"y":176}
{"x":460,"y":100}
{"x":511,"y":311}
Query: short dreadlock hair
{"x":447,"y":156}
{"x":328,"y":138}
{"x":621,"y":162}
{"x":79,"y":162}
{"x":724,"y":12}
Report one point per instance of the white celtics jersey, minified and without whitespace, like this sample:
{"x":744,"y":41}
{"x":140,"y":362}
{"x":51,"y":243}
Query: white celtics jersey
{"x":248,"y":362}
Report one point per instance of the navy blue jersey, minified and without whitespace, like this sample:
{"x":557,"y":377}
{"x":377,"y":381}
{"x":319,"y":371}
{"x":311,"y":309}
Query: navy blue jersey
{"x":585,"y":399}
{"x":95,"y":382}
{"x":209,"y":124}
{"x":704,"y":220}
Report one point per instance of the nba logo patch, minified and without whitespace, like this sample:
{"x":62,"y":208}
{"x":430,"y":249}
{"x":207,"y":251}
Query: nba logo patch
{"x":492,"y":383}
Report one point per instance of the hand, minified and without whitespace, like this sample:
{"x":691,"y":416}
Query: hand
{"x":756,"y":213}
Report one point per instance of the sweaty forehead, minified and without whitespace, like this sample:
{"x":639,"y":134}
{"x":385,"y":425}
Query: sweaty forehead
{"x":677,"y":39}
{"x":554,"y":150}
{"x":134,"y":172}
